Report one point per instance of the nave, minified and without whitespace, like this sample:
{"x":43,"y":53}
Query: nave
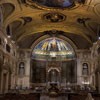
{"x":49,"y":49}
{"x":35,"y":96}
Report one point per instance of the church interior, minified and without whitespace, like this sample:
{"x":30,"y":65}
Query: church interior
{"x":49,"y":49}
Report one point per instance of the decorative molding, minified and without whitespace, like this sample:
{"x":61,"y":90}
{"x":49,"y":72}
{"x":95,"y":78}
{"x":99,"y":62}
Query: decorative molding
{"x":54,"y":17}
{"x":97,"y":9}
{"x":26,"y":19}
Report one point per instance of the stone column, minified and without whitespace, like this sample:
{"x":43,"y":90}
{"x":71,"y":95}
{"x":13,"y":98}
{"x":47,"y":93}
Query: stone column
{"x":27,"y":73}
{"x":0,"y":81}
{"x":79,"y":71}
{"x":7,"y":82}
{"x":0,"y":75}
{"x":98,"y":82}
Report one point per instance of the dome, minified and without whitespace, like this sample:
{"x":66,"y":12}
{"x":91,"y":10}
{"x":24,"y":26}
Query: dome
{"x":53,"y":48}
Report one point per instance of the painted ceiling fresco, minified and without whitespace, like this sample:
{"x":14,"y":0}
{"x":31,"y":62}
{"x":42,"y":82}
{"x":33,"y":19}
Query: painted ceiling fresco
{"x":55,"y":3}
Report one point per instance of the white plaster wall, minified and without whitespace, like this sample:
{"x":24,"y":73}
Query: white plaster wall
{"x":81,"y":57}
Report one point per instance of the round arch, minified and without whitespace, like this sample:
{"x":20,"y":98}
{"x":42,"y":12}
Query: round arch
{"x":40,"y":68}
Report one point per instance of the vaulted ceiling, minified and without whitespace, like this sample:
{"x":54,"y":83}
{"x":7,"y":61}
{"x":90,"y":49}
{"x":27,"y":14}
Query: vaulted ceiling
{"x":78,"y":20}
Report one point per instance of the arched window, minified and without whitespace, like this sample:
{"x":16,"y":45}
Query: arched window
{"x":21,"y":68}
{"x":85,"y":70}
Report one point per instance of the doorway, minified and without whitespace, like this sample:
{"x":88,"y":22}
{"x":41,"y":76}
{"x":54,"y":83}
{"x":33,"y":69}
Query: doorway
{"x":53,"y":75}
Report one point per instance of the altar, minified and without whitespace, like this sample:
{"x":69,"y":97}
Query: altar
{"x":54,"y":89}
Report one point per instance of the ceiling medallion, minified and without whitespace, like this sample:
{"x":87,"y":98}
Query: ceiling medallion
{"x":54,"y":17}
{"x":26,"y":19}
{"x":53,"y":4}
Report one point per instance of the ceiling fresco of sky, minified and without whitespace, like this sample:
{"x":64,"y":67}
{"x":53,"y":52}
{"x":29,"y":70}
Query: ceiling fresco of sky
{"x":55,"y":3}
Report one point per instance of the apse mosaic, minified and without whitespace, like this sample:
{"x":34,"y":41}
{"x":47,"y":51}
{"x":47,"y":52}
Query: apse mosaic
{"x":53,"y":48}
{"x":55,"y":3}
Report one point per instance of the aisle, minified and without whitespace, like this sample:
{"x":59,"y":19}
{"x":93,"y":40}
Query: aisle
{"x":46,"y":97}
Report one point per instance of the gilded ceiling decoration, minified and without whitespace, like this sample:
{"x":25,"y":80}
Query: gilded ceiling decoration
{"x":26,"y":19}
{"x":97,"y":9}
{"x":8,"y":9}
{"x":83,"y":21}
{"x":54,"y":17}
{"x":73,"y":39}
{"x":29,"y":20}
{"x":95,"y":27}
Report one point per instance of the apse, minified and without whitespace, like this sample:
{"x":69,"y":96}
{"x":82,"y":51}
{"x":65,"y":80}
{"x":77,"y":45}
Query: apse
{"x":53,"y":48}
{"x":53,"y":61}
